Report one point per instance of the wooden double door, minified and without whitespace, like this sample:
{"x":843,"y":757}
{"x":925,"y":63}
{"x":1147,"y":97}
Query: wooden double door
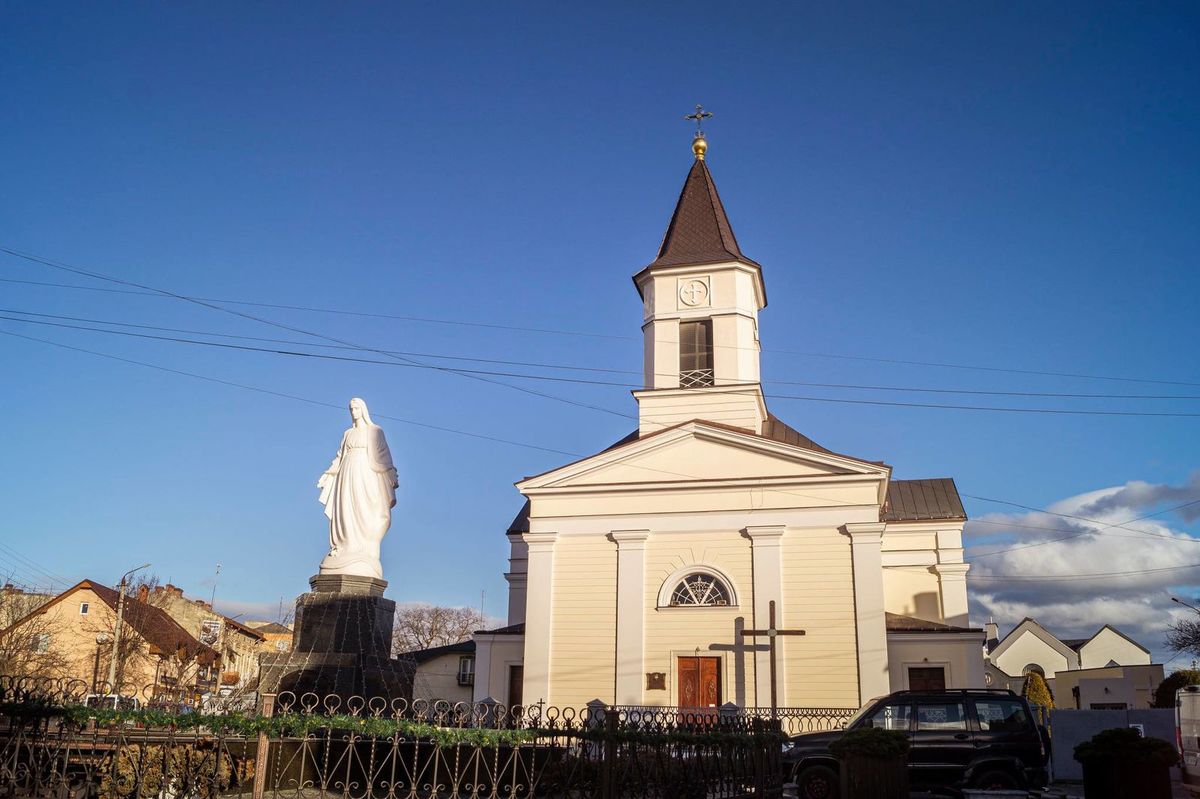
{"x":699,"y":682}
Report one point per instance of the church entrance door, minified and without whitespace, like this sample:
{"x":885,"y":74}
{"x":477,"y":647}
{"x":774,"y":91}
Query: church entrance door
{"x":699,"y":682}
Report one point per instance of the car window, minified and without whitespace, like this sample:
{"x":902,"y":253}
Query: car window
{"x":890,"y":717}
{"x":1001,"y":715}
{"x":941,"y":716}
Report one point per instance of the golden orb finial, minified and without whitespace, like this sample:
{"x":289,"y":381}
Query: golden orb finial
{"x":699,"y":143}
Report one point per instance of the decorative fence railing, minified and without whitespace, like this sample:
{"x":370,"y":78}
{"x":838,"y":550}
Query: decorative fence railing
{"x":792,"y":720}
{"x":54,"y":745}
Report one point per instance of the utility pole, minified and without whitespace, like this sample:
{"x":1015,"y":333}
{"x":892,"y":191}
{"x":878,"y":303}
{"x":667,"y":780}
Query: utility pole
{"x":112,"y":665}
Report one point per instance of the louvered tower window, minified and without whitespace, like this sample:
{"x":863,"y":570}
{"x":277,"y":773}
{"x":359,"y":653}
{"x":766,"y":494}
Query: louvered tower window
{"x":695,"y":354}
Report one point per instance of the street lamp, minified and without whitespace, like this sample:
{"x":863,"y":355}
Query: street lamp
{"x":1176,"y":599}
{"x":112,"y":665}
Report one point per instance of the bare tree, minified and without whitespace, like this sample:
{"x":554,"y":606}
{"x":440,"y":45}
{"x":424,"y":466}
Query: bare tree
{"x":421,"y":626}
{"x":29,"y":649}
{"x":1184,"y":636}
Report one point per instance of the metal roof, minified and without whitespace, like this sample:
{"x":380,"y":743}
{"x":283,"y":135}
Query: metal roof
{"x":922,"y":500}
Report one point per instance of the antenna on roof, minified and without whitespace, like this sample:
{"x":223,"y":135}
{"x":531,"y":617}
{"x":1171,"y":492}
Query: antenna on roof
{"x":213,"y":597}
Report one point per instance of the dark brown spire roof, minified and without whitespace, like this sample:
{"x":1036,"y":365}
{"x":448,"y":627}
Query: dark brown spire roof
{"x":699,"y":232}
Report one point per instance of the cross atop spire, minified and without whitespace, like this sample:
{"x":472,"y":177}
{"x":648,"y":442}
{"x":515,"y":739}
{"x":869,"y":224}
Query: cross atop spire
{"x":699,"y":143}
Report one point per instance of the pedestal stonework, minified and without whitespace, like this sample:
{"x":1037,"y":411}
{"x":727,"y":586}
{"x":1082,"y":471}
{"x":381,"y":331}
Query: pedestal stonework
{"x":341,"y":643}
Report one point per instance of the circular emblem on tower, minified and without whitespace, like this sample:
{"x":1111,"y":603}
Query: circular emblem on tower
{"x":693,"y":292}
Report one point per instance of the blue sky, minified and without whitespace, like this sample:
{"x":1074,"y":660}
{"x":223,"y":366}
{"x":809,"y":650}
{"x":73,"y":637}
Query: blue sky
{"x":987,"y":186}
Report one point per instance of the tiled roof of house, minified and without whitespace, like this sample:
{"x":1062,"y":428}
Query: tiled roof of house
{"x":152,"y":624}
{"x":270,"y":628}
{"x":922,"y":500}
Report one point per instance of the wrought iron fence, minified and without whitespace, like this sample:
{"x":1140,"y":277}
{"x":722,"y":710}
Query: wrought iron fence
{"x":353,"y":747}
{"x":792,"y":720}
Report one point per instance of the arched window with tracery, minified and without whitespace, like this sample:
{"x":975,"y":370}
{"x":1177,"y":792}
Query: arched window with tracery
{"x":699,"y":589}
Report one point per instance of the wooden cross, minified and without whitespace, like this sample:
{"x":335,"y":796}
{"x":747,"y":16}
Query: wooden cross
{"x":772,"y":632}
{"x":699,"y":117}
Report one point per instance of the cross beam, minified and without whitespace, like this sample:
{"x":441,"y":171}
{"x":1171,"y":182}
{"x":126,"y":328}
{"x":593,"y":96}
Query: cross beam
{"x":772,"y":633}
{"x":698,"y":118}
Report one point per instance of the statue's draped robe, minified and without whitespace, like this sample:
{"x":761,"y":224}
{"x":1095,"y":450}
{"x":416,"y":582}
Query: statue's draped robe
{"x":358,"y":491}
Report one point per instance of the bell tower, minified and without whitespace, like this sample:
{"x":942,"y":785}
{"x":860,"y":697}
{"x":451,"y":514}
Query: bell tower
{"x":701,"y":300}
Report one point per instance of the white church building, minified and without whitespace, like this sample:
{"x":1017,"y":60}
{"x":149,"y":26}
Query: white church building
{"x":634,"y":572}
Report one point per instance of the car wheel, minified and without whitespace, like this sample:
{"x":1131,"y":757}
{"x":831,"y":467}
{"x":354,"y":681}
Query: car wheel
{"x":817,"y":782}
{"x":995,"y":780}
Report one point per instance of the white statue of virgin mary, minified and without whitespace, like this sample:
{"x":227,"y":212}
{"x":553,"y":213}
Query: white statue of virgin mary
{"x":358,"y":491}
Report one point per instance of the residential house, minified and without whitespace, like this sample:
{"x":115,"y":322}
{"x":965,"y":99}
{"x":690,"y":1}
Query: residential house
{"x":1107,"y":671}
{"x":237,"y":643}
{"x":75,"y":636}
{"x":444,"y":673}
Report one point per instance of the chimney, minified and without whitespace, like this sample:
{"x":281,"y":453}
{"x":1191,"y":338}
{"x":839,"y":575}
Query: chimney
{"x":173,"y":591}
{"x":992,"y":635}
{"x":143,"y":592}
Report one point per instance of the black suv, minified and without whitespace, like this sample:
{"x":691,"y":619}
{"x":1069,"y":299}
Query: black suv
{"x":959,"y":738}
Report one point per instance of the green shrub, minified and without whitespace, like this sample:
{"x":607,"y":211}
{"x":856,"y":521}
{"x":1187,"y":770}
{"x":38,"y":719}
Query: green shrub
{"x":1125,"y":745}
{"x":1036,"y":690}
{"x":1164,"y":694}
{"x":871,"y":742}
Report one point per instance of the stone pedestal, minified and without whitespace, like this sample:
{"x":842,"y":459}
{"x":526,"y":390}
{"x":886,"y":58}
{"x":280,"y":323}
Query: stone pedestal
{"x":341,"y":643}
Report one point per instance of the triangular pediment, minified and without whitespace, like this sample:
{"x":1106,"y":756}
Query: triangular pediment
{"x":699,"y":452}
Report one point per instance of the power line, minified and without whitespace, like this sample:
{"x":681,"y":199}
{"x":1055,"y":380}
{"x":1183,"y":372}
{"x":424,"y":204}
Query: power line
{"x":1121,"y":525}
{"x":409,"y":363}
{"x":206,"y":304}
{"x":1079,"y":577}
{"x":986,"y":578}
{"x":384,"y":416}
{"x":496,"y":326}
{"x":281,"y":394}
{"x":578,"y":368}
{"x":1074,"y":533}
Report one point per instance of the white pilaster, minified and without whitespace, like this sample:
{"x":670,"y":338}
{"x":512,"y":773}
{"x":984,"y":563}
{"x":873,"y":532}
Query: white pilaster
{"x":631,"y":614}
{"x":539,"y":596}
{"x":866,"y":552}
{"x":767,"y":559}
{"x":952,"y":585}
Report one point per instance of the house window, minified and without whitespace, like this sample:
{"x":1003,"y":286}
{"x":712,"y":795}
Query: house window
{"x":700,"y":590}
{"x":83,"y":608}
{"x":695,"y":354}
{"x":41,"y":643}
{"x":466,"y":670}
{"x":1035,"y":669}
{"x":281,"y":645}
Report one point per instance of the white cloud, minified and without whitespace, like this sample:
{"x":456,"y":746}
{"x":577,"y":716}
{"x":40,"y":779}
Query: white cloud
{"x":1034,"y":564}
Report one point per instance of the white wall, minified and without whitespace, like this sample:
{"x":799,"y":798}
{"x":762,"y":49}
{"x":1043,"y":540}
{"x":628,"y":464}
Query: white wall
{"x":960,"y":654}
{"x":1108,"y":646}
{"x":438,"y":679}
{"x":1029,"y":648}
